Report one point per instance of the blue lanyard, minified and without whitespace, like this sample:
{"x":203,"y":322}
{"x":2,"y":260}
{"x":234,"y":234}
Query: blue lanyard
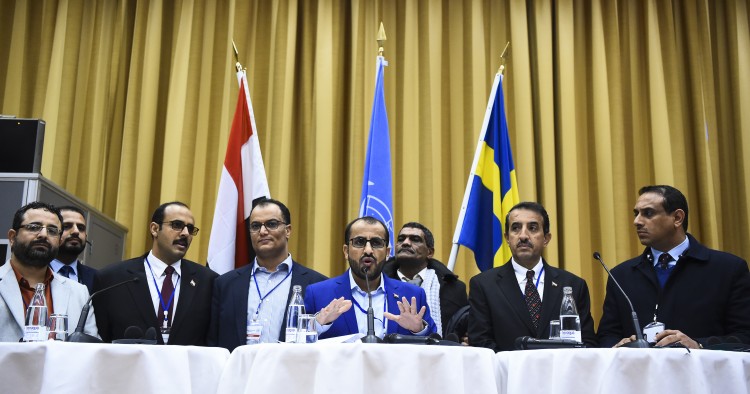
{"x":537,"y":282}
{"x":354,"y":301}
{"x":263,"y":298}
{"x":161,"y":300}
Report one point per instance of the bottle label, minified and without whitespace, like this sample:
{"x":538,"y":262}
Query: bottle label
{"x":35,"y":333}
{"x":570,"y":334}
{"x":291,"y":335}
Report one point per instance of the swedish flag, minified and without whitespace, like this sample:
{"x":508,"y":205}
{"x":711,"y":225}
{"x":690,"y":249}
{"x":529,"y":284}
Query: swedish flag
{"x":492,"y":189}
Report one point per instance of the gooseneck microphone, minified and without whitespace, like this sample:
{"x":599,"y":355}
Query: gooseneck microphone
{"x":79,"y":335}
{"x":639,"y":342}
{"x":370,"y":337}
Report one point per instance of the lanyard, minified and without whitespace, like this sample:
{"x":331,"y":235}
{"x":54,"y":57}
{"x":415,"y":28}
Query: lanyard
{"x":263,"y":298}
{"x":354,"y":301}
{"x":541,"y":271}
{"x":161,"y":300}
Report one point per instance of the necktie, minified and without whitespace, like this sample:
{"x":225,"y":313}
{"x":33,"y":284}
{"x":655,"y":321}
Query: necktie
{"x":417,"y":281}
{"x":65,"y":271}
{"x":664,"y":260}
{"x":166,"y":295}
{"x":533,"y":302}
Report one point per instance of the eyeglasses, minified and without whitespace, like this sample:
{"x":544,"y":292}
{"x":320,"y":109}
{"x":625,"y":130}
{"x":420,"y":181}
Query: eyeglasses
{"x":270,"y":225}
{"x":37,"y":228}
{"x":178,"y":225}
{"x":375,"y":242}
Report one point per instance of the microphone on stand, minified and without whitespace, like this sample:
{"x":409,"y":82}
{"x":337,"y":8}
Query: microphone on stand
{"x":79,"y":335}
{"x":370,"y":337}
{"x":639,"y":342}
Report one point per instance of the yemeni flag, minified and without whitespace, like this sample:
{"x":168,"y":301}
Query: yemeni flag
{"x":243,"y":180}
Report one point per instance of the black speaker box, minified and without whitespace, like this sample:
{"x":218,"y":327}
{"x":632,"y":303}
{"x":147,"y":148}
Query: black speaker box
{"x":21,"y":144}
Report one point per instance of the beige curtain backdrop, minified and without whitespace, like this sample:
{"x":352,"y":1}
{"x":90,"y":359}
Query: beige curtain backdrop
{"x":603,"y":97}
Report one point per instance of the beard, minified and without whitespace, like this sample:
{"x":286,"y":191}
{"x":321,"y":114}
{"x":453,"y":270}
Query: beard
{"x":28,"y":255}
{"x":374,"y":271}
{"x":71,"y":250}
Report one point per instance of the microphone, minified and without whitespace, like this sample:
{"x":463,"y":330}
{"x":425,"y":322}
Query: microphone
{"x":150,"y":334}
{"x":370,"y":337}
{"x":79,"y":335}
{"x":432,"y":339}
{"x":639,"y":342}
{"x":531,"y":343}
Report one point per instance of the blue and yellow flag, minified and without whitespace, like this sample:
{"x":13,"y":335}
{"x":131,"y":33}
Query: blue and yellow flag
{"x":492,"y":189}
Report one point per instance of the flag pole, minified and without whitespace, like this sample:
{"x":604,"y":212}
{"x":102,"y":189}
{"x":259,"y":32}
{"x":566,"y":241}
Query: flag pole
{"x":475,"y":162}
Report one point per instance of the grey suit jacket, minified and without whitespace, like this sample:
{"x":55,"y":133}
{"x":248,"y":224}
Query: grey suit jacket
{"x":68,"y":297}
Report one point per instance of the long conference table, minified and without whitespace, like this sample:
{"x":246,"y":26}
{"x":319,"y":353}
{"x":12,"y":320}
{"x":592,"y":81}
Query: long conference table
{"x":55,"y":367}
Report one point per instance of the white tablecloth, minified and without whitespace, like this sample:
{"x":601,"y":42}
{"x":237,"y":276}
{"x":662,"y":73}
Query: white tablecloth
{"x":58,"y":367}
{"x":359,"y":368}
{"x":624,"y":371}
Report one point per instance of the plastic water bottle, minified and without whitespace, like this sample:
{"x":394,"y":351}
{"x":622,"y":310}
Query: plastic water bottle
{"x":35,"y":326}
{"x":570,"y":322}
{"x":296,"y":308}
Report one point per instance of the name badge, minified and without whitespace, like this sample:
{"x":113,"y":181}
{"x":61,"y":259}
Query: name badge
{"x":651,"y":330}
{"x":254,"y":329}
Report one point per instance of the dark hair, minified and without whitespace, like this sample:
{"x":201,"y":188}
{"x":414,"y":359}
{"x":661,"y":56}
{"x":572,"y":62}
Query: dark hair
{"x":368,"y":220}
{"x":673,"y":199}
{"x":284,"y":210}
{"x":158,"y":216}
{"x":429,"y":240}
{"x":72,"y":208}
{"x":531,"y":206}
{"x":18,"y":217}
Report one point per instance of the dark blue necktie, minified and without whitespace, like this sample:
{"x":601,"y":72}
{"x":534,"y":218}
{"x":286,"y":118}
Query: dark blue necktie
{"x":66,"y":271}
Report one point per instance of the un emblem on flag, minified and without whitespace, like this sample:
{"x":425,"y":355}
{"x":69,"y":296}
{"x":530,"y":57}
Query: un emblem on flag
{"x":377,"y":208}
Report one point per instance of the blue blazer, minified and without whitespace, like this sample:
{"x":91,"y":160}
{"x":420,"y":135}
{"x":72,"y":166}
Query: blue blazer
{"x":229,"y":304}
{"x":319,"y":295}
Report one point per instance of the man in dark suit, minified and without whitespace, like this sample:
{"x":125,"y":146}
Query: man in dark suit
{"x":498,"y":297}
{"x":413,"y":263}
{"x":700,"y":295}
{"x":366,"y":249}
{"x":171,"y":294}
{"x":259,"y":292}
{"x":73,"y":243}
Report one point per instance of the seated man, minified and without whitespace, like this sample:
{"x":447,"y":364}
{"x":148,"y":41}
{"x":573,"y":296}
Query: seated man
{"x":403,"y":304}
{"x":701,"y":295}
{"x":520,"y":297}
{"x":34,"y":241}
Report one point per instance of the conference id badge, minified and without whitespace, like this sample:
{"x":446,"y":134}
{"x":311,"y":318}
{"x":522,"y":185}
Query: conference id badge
{"x":651,"y":330}
{"x":254,"y":329}
{"x":165,"y":334}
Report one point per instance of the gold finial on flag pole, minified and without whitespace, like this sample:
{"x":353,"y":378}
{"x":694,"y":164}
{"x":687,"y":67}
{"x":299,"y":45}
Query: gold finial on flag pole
{"x":503,"y":59}
{"x":237,"y":64}
{"x":381,"y":39}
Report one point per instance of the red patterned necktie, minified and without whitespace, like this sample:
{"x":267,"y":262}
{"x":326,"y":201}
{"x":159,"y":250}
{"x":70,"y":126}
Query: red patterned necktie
{"x":533,"y":302}
{"x":166,"y":295}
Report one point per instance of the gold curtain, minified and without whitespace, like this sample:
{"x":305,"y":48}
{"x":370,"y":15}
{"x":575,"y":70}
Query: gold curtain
{"x":602,"y":98}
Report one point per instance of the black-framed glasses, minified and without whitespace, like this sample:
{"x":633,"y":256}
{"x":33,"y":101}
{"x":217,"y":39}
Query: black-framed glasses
{"x":178,"y":225}
{"x":270,"y":225}
{"x":34,"y":228}
{"x":375,"y":242}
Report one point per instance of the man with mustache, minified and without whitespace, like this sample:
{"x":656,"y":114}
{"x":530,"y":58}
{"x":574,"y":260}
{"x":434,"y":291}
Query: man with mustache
{"x":398,"y":307}
{"x":34,"y":241}
{"x":73,"y":243}
{"x":171,"y":294}
{"x":414,"y":263}
{"x":699,"y":295}
{"x":498,"y":297}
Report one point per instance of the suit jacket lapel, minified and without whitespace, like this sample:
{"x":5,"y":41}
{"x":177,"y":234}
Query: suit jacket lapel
{"x":60,"y":294}
{"x":552,"y":299}
{"x":508,"y":284}
{"x":392,"y":296}
{"x":187,"y":293}
{"x":11,"y":293}
{"x":343,"y":290}
{"x":239,"y":300}
{"x":139,"y":293}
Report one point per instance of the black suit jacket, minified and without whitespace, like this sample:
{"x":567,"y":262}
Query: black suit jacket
{"x":499,"y":315}
{"x":452,"y":290}
{"x":131,"y":305}
{"x":86,"y":276}
{"x":707,"y":295}
{"x":229,"y":305}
